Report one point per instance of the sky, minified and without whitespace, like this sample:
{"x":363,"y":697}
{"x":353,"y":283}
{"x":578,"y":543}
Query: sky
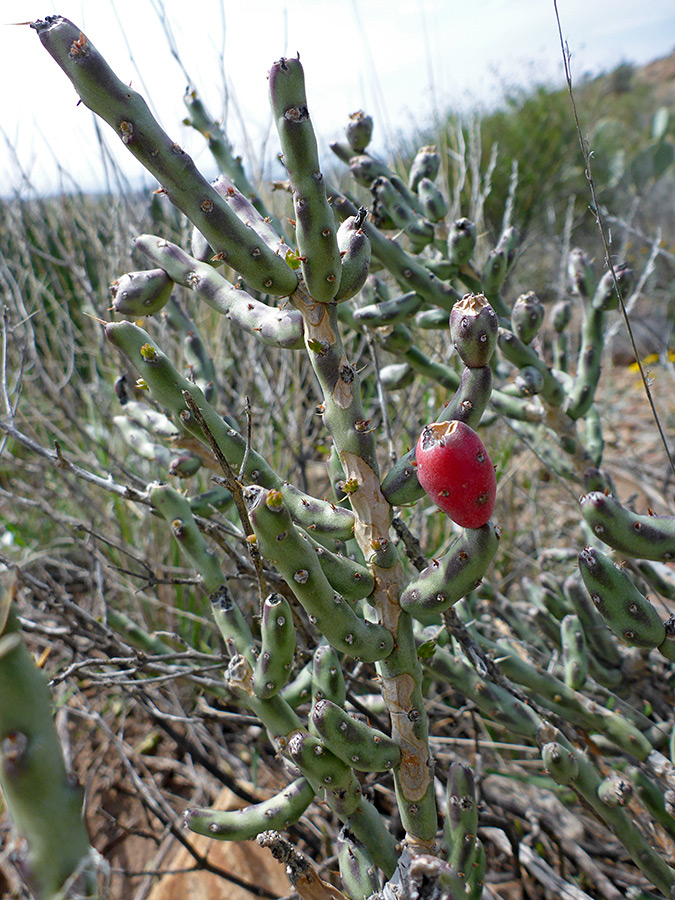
{"x":403,"y":61}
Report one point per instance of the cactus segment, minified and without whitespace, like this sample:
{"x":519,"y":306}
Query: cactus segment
{"x":426,"y":164}
{"x":601,"y":643}
{"x":265,"y":226}
{"x":492,"y":280}
{"x":605,"y":296}
{"x":645,"y":537}
{"x":202,"y":369}
{"x":277,"y":813}
{"x":614,"y":791}
{"x":44,"y":802}
{"x":587,"y":377}
{"x":298,"y":691}
{"x":167,"y":385}
{"x":231,"y":623}
{"x":368,"y":827}
{"x":652,"y":797}
{"x":401,"y":484}
{"x":461,"y":241}
{"x":141,"y":293}
{"x":433,"y":204}
{"x":316,"y":761}
{"x":580,"y":272}
{"x":359,"y":131}
{"x":217,"y":498}
{"x":221,"y":149}
{"x":522,"y":355}
{"x":626,"y":611}
{"x":281,"y":543}
{"x":561,"y":764}
{"x":432,"y":319}
{"x":389,"y":312}
{"x":461,"y":819}
{"x":272,"y":326}
{"x":575,"y":651}
{"x":529,"y":381}
{"x":410,"y":274}
{"x":349,"y":578}
{"x":275,"y":660}
{"x":362,"y":747}
{"x":458,"y":572}
{"x":473,"y":329}
{"x":175,"y":508}
{"x":357,"y":869}
{"x":315,"y":223}
{"x":390,"y":205}
{"x":354,"y":248}
{"x":586,"y":782}
{"x":327,"y":679}
{"x":128,"y":114}
{"x":527,"y":317}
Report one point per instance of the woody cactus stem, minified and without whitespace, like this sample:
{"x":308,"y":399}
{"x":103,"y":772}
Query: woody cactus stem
{"x":45,"y":804}
{"x":128,"y":114}
{"x":400,"y":671}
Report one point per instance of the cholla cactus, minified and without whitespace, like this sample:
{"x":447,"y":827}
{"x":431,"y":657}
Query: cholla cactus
{"x":336,"y":566}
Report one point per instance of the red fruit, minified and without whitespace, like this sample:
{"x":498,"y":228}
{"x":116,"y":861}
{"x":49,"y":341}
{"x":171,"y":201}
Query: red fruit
{"x":455,"y":470}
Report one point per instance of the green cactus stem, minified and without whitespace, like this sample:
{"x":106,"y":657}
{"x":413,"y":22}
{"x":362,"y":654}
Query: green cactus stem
{"x":626,"y":611}
{"x":278,"y":812}
{"x":314,"y":221}
{"x":357,"y":869}
{"x":265,"y":227}
{"x":527,"y":317}
{"x":275,"y":660}
{"x":492,"y":280}
{"x":605,"y":296}
{"x":206,"y":503}
{"x":389,"y":312}
{"x":581,"y":275}
{"x":316,"y":761}
{"x":410,"y":274}
{"x":327,"y":680}
{"x":461,"y":819}
{"x":432,"y":320}
{"x":272,"y":326}
{"x":585,"y":782}
{"x":461,"y":241}
{"x":364,"y":748}
{"x":589,"y":364}
{"x":459,"y":571}
{"x":354,"y":248}
{"x":575,"y":651}
{"x":652,"y":796}
{"x":349,"y":578}
{"x":231,"y":623}
{"x":44,"y":801}
{"x":141,"y":293}
{"x":175,"y":508}
{"x":202,"y":369}
{"x":167,"y":386}
{"x":433,"y":204}
{"x":426,"y":164}
{"x":128,"y":114}
{"x":389,"y":204}
{"x":473,"y":330}
{"x":221,"y":149}
{"x":602,"y":645}
{"x":521,"y":354}
{"x":645,"y":537}
{"x":561,"y":763}
{"x":282,"y":544}
{"x":359,"y":131}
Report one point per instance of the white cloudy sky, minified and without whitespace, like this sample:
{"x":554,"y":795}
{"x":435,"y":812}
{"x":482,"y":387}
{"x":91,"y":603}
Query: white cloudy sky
{"x":398,"y":59}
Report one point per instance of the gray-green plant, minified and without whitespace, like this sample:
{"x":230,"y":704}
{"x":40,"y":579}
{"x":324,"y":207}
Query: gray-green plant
{"x":346,"y":576}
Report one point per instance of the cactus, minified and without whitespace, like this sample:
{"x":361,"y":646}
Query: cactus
{"x":377,"y":586}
